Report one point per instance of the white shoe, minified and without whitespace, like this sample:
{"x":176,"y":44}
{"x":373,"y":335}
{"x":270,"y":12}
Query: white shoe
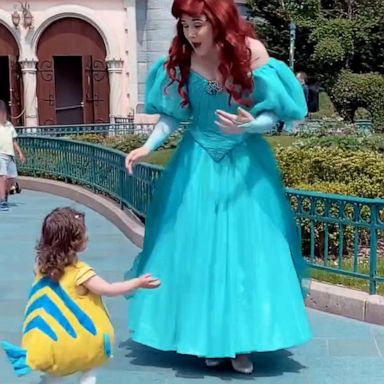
{"x":211,"y":363}
{"x":242,"y":364}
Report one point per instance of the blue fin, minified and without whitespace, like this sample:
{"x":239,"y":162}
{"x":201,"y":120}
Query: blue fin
{"x":18,"y":358}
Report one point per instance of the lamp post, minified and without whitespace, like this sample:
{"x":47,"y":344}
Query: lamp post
{"x":292,"y":38}
{"x":15,"y":18}
{"x":27,"y":16}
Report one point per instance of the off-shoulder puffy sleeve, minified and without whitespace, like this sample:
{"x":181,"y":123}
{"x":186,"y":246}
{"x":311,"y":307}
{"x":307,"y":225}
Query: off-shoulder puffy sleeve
{"x":162,"y":100}
{"x":277,"y":90}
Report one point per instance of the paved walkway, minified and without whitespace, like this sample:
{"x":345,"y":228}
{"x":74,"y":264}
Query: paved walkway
{"x":343,"y":350}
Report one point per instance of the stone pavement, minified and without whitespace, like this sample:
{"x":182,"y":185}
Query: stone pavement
{"x":342,"y":351}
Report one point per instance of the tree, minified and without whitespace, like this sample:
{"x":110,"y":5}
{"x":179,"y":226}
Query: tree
{"x":337,"y":40}
{"x":271,"y":19}
{"x":331,"y":35}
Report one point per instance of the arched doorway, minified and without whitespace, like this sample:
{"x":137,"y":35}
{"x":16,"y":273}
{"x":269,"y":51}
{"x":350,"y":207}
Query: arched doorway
{"x":10,"y":75}
{"x":72,"y":75}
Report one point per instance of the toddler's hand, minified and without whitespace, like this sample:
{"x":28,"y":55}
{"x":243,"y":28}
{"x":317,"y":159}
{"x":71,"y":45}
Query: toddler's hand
{"x":148,"y":281}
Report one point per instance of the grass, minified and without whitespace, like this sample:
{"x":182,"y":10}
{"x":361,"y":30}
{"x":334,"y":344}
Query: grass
{"x":351,"y":282}
{"x":161,"y":157}
{"x":326,"y":108}
{"x":284,"y":141}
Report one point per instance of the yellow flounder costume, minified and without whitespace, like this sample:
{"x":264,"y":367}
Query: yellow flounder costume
{"x":66,"y":328}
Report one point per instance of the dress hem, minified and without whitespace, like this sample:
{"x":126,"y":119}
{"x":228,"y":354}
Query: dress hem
{"x":183,"y":351}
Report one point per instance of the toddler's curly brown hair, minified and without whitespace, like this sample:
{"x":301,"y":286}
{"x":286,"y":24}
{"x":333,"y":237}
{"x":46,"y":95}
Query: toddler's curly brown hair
{"x":63,"y":235}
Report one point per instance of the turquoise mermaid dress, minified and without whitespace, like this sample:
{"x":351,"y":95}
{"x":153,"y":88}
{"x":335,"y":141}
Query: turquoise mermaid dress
{"x":220,"y":233}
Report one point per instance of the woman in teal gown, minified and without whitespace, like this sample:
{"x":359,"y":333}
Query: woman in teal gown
{"x":220,"y":233}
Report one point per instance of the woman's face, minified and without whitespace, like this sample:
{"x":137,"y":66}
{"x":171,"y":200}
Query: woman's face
{"x":199,"y":33}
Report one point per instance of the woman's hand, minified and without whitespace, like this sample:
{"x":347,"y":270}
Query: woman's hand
{"x":230,"y":123}
{"x":134,"y":156}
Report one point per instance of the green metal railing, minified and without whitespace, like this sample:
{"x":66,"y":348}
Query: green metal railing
{"x":98,"y":168}
{"x":309,"y":125}
{"x":83,"y":129}
{"x":315,"y":125}
{"x":339,"y":234}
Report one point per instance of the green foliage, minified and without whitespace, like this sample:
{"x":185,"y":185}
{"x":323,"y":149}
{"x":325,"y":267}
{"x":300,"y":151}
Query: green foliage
{"x":333,"y":170}
{"x":332,"y":36}
{"x":346,"y":143}
{"x":304,"y":12}
{"x":354,"y":164}
{"x":351,"y":165}
{"x":271,"y":19}
{"x":326,"y":108}
{"x":126,"y":143}
{"x":330,"y":51}
{"x":334,"y":43}
{"x":352,"y":90}
{"x":358,"y":173}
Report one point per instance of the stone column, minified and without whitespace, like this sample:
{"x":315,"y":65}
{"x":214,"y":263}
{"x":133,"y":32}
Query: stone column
{"x":131,"y":54}
{"x":28,"y":70}
{"x":115,"y":70}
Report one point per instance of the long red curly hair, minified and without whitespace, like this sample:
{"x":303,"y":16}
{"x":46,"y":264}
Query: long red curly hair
{"x":230,"y":34}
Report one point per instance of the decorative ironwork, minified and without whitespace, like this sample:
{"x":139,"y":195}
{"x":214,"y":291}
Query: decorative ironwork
{"x":95,"y":100}
{"x":51,"y":100}
{"x":48,"y":122}
{"x":96,"y":97}
{"x":343,"y":235}
{"x":15,"y":75}
{"x":100,"y":127}
{"x":97,"y":69}
{"x":46,"y":70}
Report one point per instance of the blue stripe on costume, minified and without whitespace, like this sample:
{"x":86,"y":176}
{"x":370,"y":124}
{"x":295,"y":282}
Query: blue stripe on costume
{"x":39,"y":323}
{"x":80,"y":315}
{"x":52,"y":309}
{"x":107,"y":345}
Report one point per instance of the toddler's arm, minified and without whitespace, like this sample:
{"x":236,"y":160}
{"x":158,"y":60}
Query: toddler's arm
{"x":99,"y":286}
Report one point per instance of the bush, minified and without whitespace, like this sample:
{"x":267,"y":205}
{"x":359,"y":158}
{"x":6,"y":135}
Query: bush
{"x":347,"y":143}
{"x":329,"y":50}
{"x":326,"y":127}
{"x":334,"y":40}
{"x":126,"y":143}
{"x":353,"y":90}
{"x":351,"y":165}
{"x":332,"y":165}
{"x":361,"y":172}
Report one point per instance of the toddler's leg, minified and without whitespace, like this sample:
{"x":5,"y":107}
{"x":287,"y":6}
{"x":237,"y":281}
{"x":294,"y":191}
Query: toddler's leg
{"x":88,"y":377}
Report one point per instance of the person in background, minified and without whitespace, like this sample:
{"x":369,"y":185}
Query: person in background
{"x":303,"y":79}
{"x":8,"y":148}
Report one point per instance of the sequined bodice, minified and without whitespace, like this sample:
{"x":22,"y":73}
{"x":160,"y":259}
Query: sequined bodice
{"x":206,"y":97}
{"x":275,"y":90}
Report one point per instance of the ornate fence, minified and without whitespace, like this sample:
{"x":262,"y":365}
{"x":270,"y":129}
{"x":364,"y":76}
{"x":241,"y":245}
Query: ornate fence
{"x":339,"y":234}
